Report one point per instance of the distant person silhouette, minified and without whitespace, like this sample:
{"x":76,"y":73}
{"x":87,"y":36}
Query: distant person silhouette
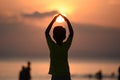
{"x":119,"y":73}
{"x":22,"y":74}
{"x":112,"y":75}
{"x":59,"y":66}
{"x":99,"y":75}
{"x":25,"y":72}
{"x":28,"y":69}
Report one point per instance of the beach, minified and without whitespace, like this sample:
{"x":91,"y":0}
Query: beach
{"x":80,"y":69}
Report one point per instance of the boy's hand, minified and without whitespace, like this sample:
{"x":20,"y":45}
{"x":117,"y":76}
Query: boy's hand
{"x":50,"y":25}
{"x":65,"y":18}
{"x":55,"y":17}
{"x":69,"y":25}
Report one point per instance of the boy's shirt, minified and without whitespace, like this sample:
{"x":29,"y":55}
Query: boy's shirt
{"x":59,"y":57}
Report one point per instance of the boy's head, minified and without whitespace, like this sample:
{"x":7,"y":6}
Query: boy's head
{"x":59,"y":34}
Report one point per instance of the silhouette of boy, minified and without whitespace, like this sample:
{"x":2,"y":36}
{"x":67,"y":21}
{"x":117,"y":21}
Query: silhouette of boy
{"x":59,"y":67}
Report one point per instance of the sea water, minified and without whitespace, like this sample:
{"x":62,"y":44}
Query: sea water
{"x":9,"y":69}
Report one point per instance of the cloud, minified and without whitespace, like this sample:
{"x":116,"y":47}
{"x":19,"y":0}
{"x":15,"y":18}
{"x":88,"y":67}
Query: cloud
{"x":39,"y":15}
{"x":26,"y":40}
{"x":18,"y":39}
{"x":94,"y":41}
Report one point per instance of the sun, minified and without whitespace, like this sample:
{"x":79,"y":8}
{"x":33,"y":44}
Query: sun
{"x":62,"y":8}
{"x":60,"y":19}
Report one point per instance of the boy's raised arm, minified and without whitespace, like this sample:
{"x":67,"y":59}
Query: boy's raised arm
{"x":50,"y":25}
{"x":69,"y":26}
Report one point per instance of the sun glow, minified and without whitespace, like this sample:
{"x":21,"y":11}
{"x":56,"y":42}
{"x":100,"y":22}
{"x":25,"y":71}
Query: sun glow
{"x":62,"y":7}
{"x":60,"y":19}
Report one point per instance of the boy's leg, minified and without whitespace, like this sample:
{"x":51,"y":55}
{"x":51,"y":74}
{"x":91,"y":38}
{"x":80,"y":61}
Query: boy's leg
{"x":55,"y":78}
{"x":61,"y":78}
{"x":68,"y":77}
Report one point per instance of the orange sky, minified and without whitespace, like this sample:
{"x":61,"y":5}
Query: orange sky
{"x":96,"y":25}
{"x":101,"y":12}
